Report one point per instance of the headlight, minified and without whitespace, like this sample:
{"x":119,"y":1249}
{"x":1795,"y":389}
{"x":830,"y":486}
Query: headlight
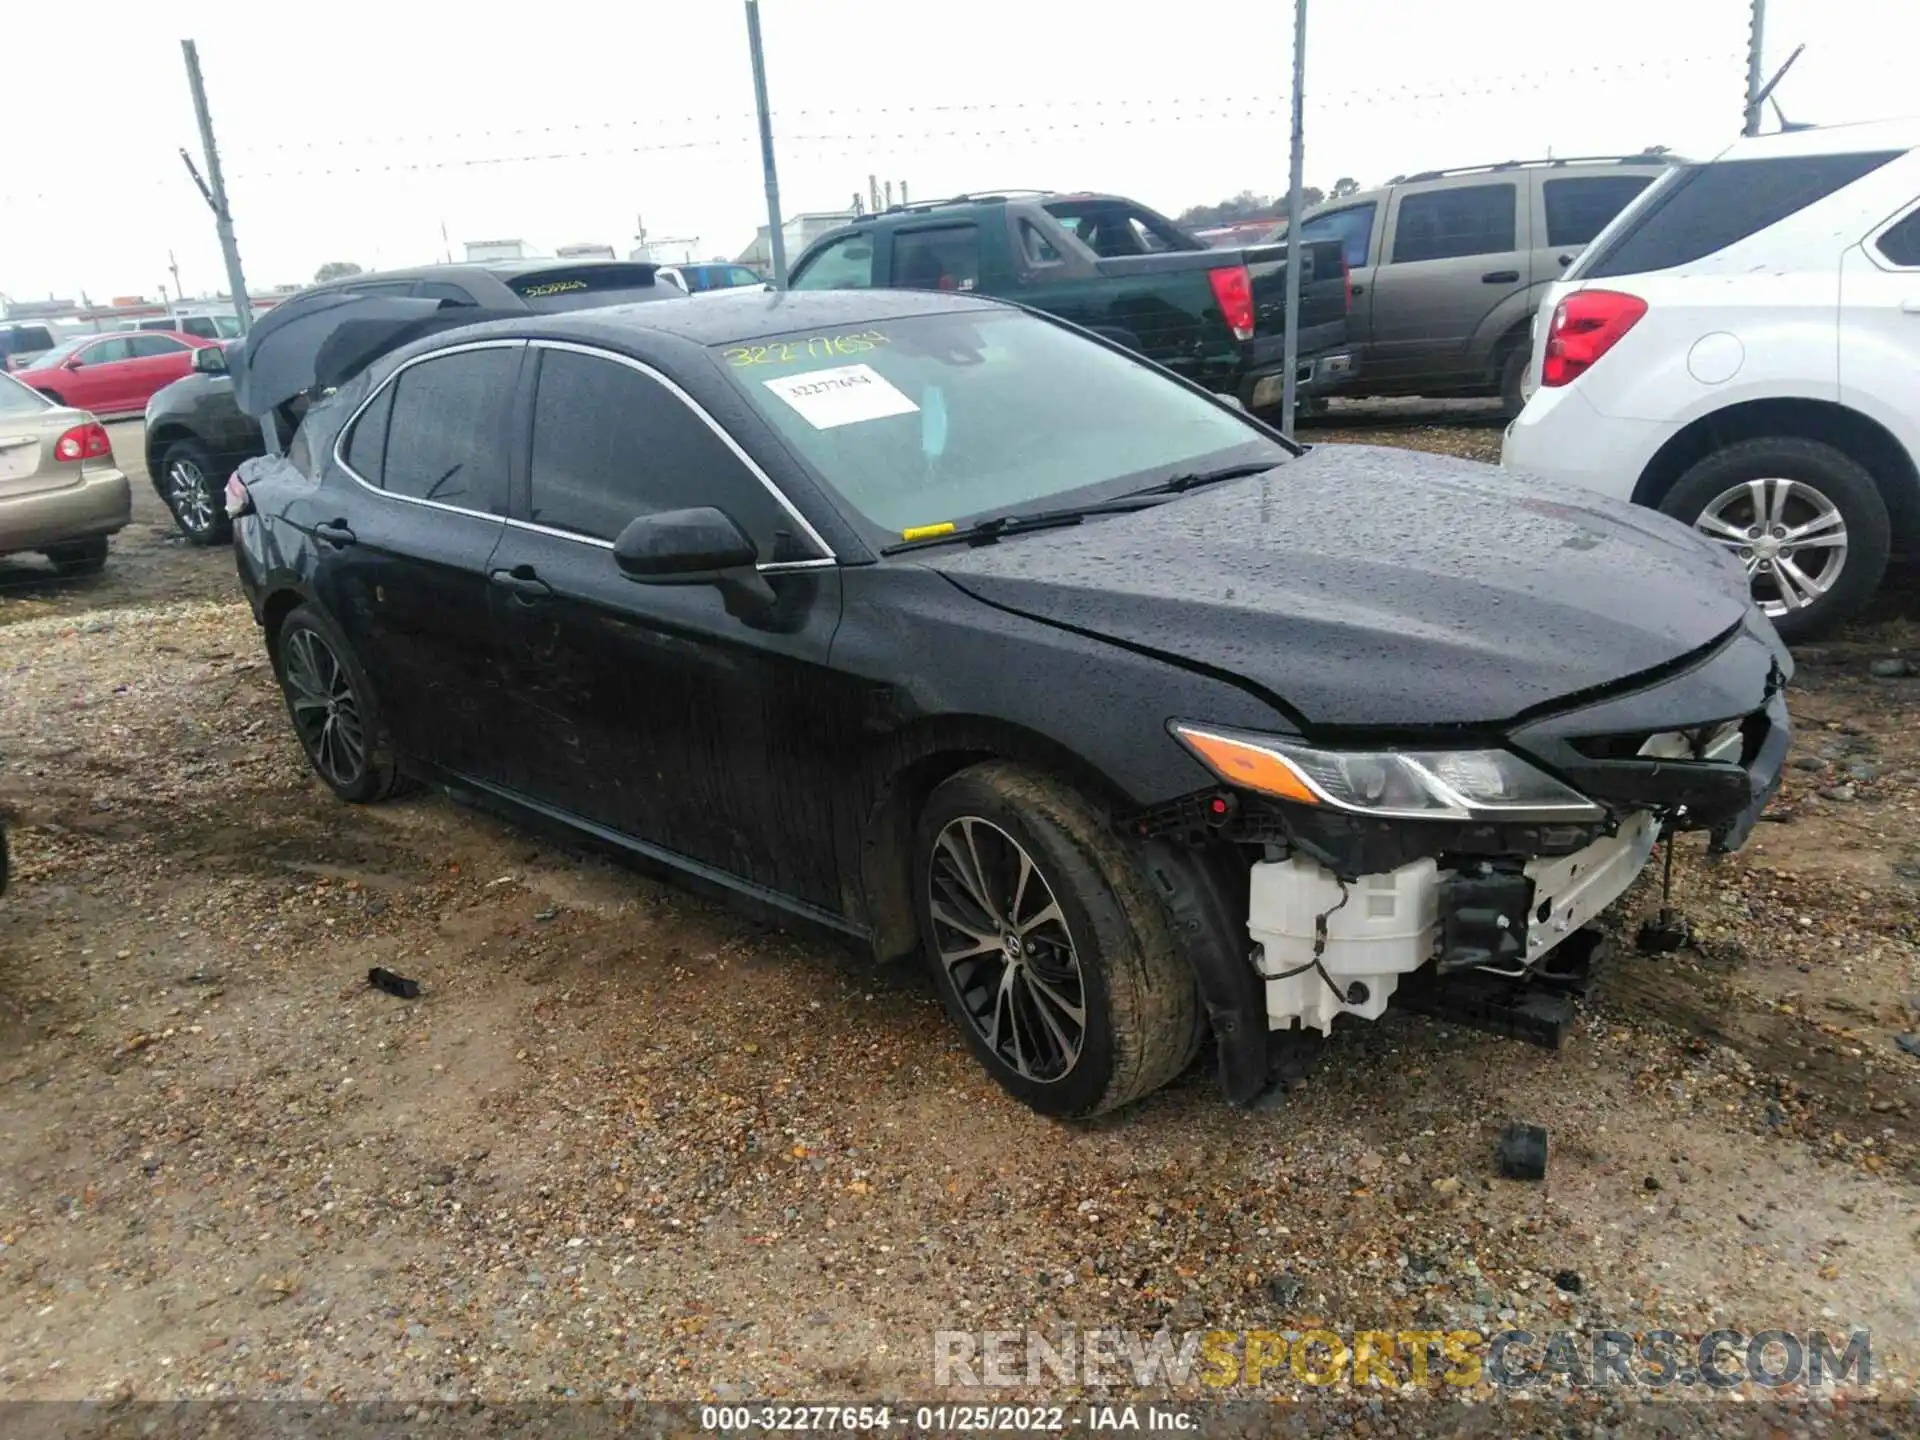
{"x":1413,"y":784}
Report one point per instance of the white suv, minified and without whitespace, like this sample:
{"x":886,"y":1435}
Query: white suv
{"x":1741,"y":349}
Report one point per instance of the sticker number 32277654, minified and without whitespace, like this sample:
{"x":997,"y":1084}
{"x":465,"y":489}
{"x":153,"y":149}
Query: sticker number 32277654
{"x":843,"y":395}
{"x":814,"y":347}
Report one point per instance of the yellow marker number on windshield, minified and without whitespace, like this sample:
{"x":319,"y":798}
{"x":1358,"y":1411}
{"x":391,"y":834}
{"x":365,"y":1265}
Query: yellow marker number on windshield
{"x":814,"y":347}
{"x":927,"y":532}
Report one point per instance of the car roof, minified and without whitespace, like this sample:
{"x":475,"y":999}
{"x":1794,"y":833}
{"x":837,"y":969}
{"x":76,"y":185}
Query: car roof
{"x":502,"y":270}
{"x":1901,"y":133}
{"x":725,"y":317}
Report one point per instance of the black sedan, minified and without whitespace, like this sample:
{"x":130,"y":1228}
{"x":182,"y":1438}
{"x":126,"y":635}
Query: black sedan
{"x":946,"y":626}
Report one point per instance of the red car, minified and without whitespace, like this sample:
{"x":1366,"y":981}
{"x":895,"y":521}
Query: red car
{"x":112,"y":374}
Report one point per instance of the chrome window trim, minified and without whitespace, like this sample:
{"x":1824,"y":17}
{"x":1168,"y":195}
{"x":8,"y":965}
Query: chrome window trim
{"x":672,"y":388}
{"x":353,"y":421}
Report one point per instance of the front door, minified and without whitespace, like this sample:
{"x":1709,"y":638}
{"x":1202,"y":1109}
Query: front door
{"x":650,"y":710}
{"x":404,"y":574}
{"x":1455,"y":253}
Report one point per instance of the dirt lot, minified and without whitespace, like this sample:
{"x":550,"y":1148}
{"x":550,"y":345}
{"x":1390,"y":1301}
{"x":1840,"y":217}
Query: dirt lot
{"x":627,"y":1144}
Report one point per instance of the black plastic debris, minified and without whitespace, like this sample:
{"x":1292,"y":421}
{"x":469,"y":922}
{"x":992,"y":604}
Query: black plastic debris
{"x":1662,"y":935}
{"x":1522,"y":1152}
{"x":1568,"y":1280}
{"x":393,"y":984}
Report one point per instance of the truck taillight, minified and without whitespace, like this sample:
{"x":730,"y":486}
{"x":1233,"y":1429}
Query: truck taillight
{"x":1233,"y":289}
{"x":1586,"y":325}
{"x":83,"y":442}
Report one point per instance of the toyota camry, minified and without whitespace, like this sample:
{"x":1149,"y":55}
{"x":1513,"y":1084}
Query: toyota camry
{"x":951,"y":628}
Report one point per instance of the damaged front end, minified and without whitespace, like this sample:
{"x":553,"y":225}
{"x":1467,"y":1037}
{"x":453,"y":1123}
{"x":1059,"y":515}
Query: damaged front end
{"x":1457,"y":878}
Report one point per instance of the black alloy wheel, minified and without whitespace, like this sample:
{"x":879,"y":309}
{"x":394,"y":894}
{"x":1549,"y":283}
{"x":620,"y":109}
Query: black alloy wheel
{"x":333,"y":708}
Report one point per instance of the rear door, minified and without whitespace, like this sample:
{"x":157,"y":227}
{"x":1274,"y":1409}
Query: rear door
{"x":650,"y":709}
{"x":404,"y":572}
{"x":1456,"y":250}
{"x":156,"y":362}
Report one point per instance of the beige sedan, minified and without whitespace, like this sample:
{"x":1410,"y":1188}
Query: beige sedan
{"x":60,"y":492}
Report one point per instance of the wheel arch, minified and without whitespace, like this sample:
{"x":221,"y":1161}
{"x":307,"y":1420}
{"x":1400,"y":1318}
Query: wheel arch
{"x":914,"y":763}
{"x":275,"y":606}
{"x":1859,"y":437}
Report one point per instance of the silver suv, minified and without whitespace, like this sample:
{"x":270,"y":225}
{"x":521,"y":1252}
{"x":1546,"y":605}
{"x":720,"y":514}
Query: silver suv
{"x":1448,"y":266}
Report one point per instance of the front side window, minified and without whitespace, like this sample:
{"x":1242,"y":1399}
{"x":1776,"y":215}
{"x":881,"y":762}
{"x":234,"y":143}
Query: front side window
{"x":1352,"y":227}
{"x":947,"y":258}
{"x":846,"y":264}
{"x":446,"y":437}
{"x":1580,"y":208}
{"x":611,"y":443}
{"x":1697,"y":210}
{"x":1449,"y":224}
{"x":957,"y":416}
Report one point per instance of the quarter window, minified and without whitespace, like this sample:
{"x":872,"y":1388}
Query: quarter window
{"x":446,"y":436}
{"x":846,"y":264}
{"x":1449,"y":224}
{"x":1901,"y":243}
{"x":1579,"y":209}
{"x":611,"y":444}
{"x":947,"y":258}
{"x":366,"y":447}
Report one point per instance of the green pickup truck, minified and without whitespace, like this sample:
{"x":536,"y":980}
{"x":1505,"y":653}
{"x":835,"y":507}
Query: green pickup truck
{"x":1215,"y":316}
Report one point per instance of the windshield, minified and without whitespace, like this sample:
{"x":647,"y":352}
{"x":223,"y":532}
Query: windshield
{"x":59,"y":352}
{"x":18,"y":399}
{"x":954,"y":417}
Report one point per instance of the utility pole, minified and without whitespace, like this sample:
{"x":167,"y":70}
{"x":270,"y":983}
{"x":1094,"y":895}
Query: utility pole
{"x":776,"y":242}
{"x":214,"y":191}
{"x":1290,"y":391}
{"x":1756,"y":39}
{"x":173,"y":266}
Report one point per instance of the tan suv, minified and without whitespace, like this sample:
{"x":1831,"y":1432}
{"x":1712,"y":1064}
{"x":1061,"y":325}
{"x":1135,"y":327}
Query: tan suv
{"x":1448,"y":266}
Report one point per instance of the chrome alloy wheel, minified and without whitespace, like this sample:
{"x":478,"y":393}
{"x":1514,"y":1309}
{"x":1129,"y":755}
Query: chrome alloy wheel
{"x":1003,"y":938}
{"x":325,"y":710}
{"x":1791,"y":538}
{"x":191,"y":496}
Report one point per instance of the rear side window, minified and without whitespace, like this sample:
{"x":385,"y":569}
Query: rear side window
{"x":146,"y":347}
{"x":1111,"y":228}
{"x":446,"y":437}
{"x":944,"y":259}
{"x":1579,"y":209}
{"x":846,"y":264}
{"x":1447,"y":224}
{"x":1706,"y":208}
{"x":18,"y":399}
{"x":25,"y":339}
{"x":366,"y":447}
{"x":1900,"y":243}
{"x":611,"y":444}
{"x":582,"y":287}
{"x":1352,"y":227}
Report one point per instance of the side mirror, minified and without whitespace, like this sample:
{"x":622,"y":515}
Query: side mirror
{"x":210,"y":360}
{"x":72,"y":362}
{"x":683,"y":547}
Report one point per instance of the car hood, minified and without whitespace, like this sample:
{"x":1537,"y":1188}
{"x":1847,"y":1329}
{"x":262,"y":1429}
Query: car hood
{"x":1361,"y":587}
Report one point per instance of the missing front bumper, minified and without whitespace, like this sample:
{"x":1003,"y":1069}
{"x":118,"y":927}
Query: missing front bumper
{"x":1327,"y":947}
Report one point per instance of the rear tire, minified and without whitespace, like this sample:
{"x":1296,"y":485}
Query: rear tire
{"x":1803,"y":484}
{"x":187,"y":485}
{"x":79,"y":557}
{"x":1513,"y":379}
{"x":1048,"y":947}
{"x":334,"y":710}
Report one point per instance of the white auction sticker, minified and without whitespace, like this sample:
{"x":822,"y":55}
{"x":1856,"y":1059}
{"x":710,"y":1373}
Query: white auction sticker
{"x":843,"y":395}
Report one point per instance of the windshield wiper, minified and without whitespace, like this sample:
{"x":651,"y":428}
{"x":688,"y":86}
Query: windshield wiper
{"x":986,"y":532}
{"x":1195,"y":480}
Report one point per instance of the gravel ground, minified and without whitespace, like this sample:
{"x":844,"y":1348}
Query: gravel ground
{"x":626,"y":1144}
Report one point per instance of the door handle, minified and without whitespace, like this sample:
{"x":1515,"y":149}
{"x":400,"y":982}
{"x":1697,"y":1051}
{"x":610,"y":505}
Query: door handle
{"x":1500,"y":277}
{"x":522,"y":583}
{"x":1566,"y":259}
{"x":334,"y":532}
{"x":1356,"y":289}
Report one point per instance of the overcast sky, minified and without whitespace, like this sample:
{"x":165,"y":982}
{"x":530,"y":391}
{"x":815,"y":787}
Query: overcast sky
{"x":355,"y":131}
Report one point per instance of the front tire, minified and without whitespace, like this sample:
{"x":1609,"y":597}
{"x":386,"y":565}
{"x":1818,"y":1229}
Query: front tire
{"x":334,"y":710}
{"x":186,"y":484}
{"x":1048,"y":948}
{"x":1805,"y":519}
